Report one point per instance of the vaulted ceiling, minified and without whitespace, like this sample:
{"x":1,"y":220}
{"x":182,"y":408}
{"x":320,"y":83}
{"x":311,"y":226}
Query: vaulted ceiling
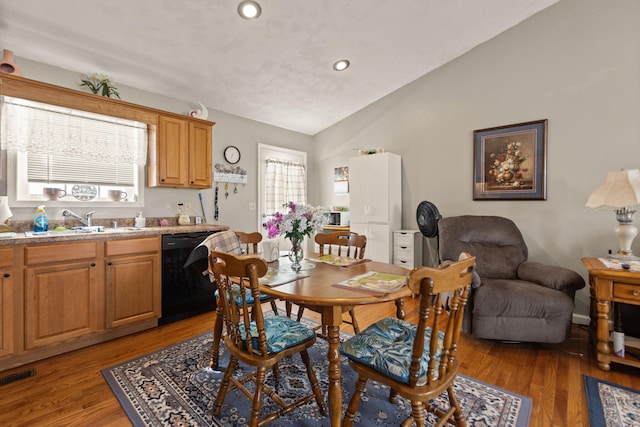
{"x":276,"y":69}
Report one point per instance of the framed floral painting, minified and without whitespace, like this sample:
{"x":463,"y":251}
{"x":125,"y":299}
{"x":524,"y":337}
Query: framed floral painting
{"x":510,"y":162}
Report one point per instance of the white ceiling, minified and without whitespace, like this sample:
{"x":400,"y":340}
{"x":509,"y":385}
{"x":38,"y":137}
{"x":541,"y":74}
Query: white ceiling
{"x":276,"y":69}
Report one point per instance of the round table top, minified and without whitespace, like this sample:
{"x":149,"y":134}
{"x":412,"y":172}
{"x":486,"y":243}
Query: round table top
{"x":318,"y":285}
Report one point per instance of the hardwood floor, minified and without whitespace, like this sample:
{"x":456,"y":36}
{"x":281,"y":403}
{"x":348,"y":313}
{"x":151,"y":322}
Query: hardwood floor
{"x":69,"y":390}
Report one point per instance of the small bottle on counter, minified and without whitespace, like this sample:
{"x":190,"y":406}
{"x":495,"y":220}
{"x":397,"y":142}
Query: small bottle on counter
{"x":139,"y":221}
{"x":40,"y":223}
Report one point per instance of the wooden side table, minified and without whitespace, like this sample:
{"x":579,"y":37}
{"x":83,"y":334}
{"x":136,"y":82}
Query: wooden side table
{"x":607,"y":285}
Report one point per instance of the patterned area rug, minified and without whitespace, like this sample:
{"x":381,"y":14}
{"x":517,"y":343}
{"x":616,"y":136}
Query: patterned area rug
{"x":610,"y":404}
{"x":175,"y":386}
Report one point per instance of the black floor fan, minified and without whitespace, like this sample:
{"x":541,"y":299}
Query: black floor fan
{"x":428,"y":216}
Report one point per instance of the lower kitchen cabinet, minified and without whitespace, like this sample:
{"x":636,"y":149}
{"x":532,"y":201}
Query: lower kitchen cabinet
{"x":7,"y":296}
{"x":60,"y":303}
{"x":132,"y":281}
{"x":59,"y":297}
{"x":60,"y":293}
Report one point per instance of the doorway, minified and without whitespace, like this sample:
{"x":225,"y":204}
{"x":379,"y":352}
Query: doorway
{"x":266,"y":152}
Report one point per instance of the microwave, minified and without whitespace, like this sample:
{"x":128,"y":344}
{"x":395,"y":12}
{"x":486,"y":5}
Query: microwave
{"x":339,"y":218}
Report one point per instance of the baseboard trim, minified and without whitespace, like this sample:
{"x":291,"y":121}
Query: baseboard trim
{"x":581,"y":319}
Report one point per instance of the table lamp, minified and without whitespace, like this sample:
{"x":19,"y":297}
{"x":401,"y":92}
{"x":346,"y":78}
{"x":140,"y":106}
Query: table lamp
{"x":5,"y":214}
{"x":620,"y":192}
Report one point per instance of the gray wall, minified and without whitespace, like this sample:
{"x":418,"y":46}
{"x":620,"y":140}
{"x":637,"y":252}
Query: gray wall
{"x":576,"y":64}
{"x":229,"y":130}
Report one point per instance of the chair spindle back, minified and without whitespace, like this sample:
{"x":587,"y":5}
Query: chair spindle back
{"x":344,"y":243}
{"x":443,"y":296}
{"x":234,"y":275}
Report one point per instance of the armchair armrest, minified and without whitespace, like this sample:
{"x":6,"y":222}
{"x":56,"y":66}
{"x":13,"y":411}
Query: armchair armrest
{"x":551,"y":276}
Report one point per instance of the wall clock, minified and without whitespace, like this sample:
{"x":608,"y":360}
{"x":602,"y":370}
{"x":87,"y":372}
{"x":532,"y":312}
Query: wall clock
{"x":232,"y":154}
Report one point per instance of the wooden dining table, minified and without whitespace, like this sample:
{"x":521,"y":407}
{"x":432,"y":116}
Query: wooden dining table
{"x":319,"y":290}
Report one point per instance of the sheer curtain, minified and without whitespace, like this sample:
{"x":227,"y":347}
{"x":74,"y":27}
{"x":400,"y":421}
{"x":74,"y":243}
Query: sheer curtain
{"x":43,"y":129}
{"x":285,"y":181}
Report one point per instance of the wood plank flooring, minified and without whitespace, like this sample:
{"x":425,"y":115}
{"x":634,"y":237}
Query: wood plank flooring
{"x":69,"y":390}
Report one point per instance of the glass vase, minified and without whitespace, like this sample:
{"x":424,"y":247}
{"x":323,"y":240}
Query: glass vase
{"x":296,"y":254}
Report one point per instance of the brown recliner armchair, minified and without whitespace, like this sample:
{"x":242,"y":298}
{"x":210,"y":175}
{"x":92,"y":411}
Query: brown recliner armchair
{"x":514,"y":299}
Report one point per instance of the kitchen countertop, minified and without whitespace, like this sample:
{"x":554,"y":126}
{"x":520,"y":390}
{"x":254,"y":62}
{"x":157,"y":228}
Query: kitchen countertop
{"x":111,"y":233}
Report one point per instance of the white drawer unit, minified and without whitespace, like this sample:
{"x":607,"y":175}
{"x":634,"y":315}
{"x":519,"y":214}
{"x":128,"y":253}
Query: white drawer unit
{"x":407,"y":248}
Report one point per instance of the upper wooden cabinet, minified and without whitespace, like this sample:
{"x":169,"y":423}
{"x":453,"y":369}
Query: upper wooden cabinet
{"x":199,"y":155}
{"x":179,"y":146}
{"x":181,"y":155}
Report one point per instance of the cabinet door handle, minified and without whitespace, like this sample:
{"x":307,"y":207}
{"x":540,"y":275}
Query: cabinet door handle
{"x":109,"y":263}
{"x":636,"y":293}
{"x":6,"y":275}
{"x":93,"y":264}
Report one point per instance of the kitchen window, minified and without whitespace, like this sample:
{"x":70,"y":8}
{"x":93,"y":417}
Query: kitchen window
{"x":85,"y":154}
{"x":285,"y":181}
{"x":281,"y":178}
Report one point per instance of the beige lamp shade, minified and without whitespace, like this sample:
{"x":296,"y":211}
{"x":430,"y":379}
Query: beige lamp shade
{"x":5,"y":212}
{"x":620,"y":192}
{"x":621,"y":189}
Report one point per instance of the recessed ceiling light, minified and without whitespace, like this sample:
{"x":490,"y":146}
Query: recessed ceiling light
{"x":341,"y":65}
{"x":249,"y":9}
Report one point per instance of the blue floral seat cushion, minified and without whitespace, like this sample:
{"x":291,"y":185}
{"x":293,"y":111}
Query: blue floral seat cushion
{"x":282,"y":333}
{"x":235,"y":291}
{"x":386,"y":346}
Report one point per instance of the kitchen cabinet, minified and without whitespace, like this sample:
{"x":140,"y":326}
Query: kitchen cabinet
{"x":407,"y":248}
{"x":133,"y":284}
{"x":7,"y":295}
{"x":199,"y":155}
{"x":375,"y":192}
{"x":61,"y":293}
{"x":179,"y":151}
{"x":180,"y":156}
{"x":61,"y":296}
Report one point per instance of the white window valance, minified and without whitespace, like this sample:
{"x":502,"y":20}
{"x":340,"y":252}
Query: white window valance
{"x":43,"y":129}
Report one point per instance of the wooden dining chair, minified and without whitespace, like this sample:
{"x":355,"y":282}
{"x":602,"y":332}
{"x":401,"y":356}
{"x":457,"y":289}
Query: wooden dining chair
{"x":249,"y":245}
{"x":417,"y":361}
{"x":257,"y":340}
{"x":341,"y":243}
{"x":249,"y":241}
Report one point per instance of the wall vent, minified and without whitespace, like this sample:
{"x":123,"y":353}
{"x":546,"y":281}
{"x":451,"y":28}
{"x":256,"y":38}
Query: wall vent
{"x":17,"y":376}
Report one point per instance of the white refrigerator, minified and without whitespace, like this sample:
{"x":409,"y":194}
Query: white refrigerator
{"x":375,"y":193}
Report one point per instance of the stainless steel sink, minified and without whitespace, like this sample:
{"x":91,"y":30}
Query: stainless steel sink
{"x":51,"y":233}
{"x":81,"y":230}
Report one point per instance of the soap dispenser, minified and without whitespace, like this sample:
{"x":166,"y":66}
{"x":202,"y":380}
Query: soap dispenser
{"x":40,"y":223}
{"x":139,"y":221}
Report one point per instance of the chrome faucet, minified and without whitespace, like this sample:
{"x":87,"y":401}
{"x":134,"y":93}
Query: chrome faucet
{"x":86,"y":222}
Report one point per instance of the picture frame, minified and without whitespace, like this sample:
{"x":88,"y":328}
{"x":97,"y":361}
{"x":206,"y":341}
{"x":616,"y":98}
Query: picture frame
{"x":509,"y":162}
{"x":341,"y":180}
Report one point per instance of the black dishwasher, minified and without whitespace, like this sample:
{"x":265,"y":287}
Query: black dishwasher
{"x":185,"y":291}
